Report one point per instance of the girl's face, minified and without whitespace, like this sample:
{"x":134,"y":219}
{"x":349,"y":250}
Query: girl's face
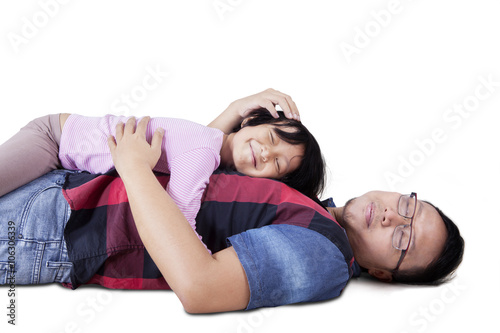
{"x":258,"y":151}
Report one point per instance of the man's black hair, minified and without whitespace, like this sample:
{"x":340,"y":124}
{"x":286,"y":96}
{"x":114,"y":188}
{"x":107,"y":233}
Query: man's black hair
{"x":441,"y":269}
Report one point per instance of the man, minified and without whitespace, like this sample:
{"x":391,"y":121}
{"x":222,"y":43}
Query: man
{"x":292,"y":251}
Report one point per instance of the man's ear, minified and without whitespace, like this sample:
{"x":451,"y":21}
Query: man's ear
{"x":381,"y":275}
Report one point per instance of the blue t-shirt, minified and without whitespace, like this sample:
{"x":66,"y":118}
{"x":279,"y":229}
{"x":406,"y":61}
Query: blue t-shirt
{"x":288,"y":264}
{"x":291,"y":248}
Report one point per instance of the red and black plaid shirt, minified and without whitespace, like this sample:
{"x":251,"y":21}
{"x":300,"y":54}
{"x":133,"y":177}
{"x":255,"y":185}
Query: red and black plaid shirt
{"x":105,"y":248}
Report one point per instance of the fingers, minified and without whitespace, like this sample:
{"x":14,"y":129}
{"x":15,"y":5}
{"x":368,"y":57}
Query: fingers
{"x":293,"y":109}
{"x":119,"y":131}
{"x":285,"y":102}
{"x":129,"y":126}
{"x":111,"y":143}
{"x":122,"y":130}
{"x":157,"y":139}
{"x":270,"y":107}
{"x":142,"y":127}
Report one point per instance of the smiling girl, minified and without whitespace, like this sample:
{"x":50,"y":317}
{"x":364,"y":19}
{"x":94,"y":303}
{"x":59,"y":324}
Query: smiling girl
{"x":265,"y":143}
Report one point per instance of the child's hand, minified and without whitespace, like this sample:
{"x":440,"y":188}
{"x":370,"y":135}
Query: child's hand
{"x":240,"y":108}
{"x":130,"y":149}
{"x":267,"y":99}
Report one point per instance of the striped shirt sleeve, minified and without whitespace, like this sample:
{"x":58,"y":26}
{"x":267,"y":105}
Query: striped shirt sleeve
{"x":190,"y":173}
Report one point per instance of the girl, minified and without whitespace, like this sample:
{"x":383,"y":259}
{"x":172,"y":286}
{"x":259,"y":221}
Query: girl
{"x":262,"y":146}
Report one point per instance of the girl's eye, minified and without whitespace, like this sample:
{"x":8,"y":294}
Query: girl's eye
{"x":272,"y":137}
{"x":278,"y":165}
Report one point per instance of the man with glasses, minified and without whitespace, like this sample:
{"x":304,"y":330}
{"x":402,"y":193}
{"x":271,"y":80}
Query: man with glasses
{"x":397,"y":237}
{"x":271,"y":245}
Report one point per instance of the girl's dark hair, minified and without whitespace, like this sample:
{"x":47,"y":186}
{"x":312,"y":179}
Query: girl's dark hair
{"x":309,"y":177}
{"x":441,"y":269}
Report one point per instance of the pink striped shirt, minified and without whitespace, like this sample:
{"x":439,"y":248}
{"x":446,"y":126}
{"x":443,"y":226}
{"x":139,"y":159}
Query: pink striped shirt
{"x":190,"y":154}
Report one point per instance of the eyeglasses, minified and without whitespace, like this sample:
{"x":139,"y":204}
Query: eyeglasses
{"x":401,"y":239}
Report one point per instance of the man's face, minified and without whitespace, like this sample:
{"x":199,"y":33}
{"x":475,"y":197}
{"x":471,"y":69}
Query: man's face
{"x":370,"y":220}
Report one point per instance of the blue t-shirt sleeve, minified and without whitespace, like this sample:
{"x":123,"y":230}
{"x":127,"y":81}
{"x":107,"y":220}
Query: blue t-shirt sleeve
{"x":287,"y":264}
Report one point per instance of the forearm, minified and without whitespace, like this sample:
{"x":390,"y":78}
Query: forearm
{"x":227,"y":120}
{"x":164,"y":230}
{"x":203,"y":283}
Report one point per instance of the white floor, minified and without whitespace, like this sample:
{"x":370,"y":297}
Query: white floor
{"x":402,"y":95}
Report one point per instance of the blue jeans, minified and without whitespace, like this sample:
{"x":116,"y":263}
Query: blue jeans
{"x":32,"y":221}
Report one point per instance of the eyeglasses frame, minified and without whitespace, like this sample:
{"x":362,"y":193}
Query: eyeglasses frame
{"x":403,"y":252}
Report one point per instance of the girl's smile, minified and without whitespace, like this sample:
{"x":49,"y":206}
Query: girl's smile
{"x":258,"y":151}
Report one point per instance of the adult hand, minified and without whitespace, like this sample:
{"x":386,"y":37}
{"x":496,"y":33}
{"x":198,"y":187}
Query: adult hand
{"x":267,"y":99}
{"x":130,"y":150}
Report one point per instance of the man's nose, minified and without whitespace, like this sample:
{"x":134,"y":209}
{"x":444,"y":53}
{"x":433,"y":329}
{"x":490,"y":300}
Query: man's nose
{"x":391,"y":218}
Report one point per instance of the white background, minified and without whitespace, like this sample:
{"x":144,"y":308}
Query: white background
{"x":373,"y":111}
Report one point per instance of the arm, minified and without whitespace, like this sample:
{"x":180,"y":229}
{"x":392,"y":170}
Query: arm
{"x":240,"y":108}
{"x":203,"y":282}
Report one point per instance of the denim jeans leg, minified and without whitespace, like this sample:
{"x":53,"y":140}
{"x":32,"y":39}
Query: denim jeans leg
{"x":32,"y":221}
